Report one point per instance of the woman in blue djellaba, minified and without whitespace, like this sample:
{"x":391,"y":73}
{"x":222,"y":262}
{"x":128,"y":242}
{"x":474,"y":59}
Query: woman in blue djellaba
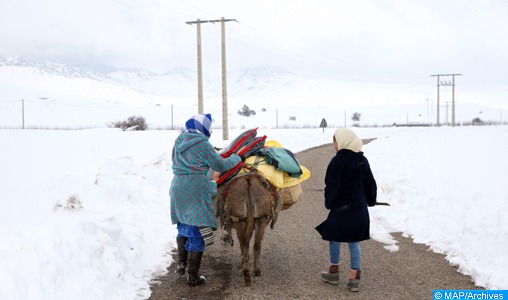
{"x":192,"y":193}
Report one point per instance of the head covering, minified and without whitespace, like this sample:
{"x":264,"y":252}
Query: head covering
{"x":199,"y":124}
{"x":347,"y":139}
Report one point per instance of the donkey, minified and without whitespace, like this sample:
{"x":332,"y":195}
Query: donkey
{"x":247,"y":203}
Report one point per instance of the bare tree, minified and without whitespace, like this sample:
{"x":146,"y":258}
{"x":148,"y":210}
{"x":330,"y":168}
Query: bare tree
{"x":356,"y":116}
{"x":246,"y":111}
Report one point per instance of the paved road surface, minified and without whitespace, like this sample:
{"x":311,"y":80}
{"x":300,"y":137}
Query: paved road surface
{"x":293,"y":256}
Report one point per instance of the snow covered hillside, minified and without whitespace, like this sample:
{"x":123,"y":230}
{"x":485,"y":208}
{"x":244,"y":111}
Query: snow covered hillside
{"x":49,"y":94}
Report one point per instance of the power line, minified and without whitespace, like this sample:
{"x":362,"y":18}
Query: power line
{"x":143,"y":12}
{"x":320,"y":61}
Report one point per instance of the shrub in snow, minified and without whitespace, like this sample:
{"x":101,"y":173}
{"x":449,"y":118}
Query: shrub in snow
{"x":246,"y":111}
{"x":133,"y":123}
{"x":72,"y":203}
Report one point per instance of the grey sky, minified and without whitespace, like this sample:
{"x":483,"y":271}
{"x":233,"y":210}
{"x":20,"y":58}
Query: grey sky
{"x":364,"y":40}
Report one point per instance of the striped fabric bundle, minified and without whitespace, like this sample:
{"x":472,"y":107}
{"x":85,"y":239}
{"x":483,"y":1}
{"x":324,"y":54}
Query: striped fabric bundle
{"x":207,"y":234}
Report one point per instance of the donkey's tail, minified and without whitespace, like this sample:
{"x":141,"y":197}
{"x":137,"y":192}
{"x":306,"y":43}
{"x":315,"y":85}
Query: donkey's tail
{"x":250,"y":224}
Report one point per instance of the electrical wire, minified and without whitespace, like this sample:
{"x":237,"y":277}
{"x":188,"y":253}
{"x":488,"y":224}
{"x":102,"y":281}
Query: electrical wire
{"x":144,"y":12}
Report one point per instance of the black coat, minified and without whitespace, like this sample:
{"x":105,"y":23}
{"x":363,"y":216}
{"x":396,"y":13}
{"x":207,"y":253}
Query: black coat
{"x":350,"y":187}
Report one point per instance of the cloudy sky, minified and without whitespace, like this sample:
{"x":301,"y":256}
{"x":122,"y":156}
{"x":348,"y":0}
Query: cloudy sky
{"x":361,"y":40}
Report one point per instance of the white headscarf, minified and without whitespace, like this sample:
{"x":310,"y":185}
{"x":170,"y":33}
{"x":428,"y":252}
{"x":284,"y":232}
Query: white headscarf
{"x":347,"y":139}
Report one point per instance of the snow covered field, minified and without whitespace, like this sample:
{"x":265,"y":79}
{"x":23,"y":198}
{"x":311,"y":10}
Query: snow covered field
{"x":85,"y":214}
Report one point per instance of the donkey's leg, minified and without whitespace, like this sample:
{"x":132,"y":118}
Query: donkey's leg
{"x":260,"y":232}
{"x":245,"y":253}
{"x":241,"y":228}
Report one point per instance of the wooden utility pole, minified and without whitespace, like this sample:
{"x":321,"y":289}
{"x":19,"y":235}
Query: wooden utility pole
{"x":453,"y":99}
{"x":200,"y":64}
{"x":437,"y":121}
{"x":277,"y":118}
{"x":446,"y":118}
{"x":23,"y":113}
{"x":225,"y":126}
{"x":439,"y":83}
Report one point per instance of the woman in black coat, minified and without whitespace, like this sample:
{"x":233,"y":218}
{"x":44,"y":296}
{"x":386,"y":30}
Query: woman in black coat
{"x":350,"y":188}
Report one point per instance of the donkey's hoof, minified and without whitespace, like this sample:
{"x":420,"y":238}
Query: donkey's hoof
{"x":257,"y":272}
{"x":227,"y":240}
{"x":247,"y":280}
{"x":246,"y":277}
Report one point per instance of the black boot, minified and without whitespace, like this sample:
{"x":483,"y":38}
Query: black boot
{"x":194,"y":263}
{"x":182,"y":255}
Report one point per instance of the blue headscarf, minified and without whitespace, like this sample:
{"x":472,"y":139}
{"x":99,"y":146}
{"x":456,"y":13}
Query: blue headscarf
{"x":199,"y":124}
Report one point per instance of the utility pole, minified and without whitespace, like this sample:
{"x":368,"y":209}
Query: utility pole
{"x":446,"y":118}
{"x":225,"y":126}
{"x":276,"y":118}
{"x":23,"y":113}
{"x":453,"y":99}
{"x":437,"y":121}
{"x":439,"y":83}
{"x":200,"y":64}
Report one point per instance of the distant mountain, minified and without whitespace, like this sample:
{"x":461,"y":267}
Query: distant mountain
{"x":52,"y":68}
{"x":176,"y":82}
{"x":273,"y":92}
{"x":266,"y":78}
